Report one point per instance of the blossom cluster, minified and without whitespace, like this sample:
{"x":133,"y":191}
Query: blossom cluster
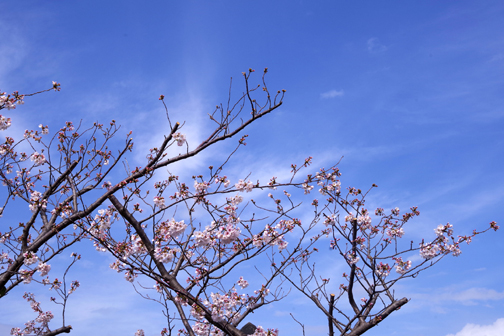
{"x":201,"y":187}
{"x":402,"y":266}
{"x":383,"y":269}
{"x":9,"y":101}
{"x":36,"y":201}
{"x":43,"y":318}
{"x":226,"y":308}
{"x":39,"y":159}
{"x":225,"y":230}
{"x":165,"y":254}
{"x":442,"y":243}
{"x":102,"y":223}
{"x":242,"y":283}
{"x":223,"y":180}
{"x":395,"y":232}
{"x":271,"y":236}
{"x":327,"y":181}
{"x":223,"y":233}
{"x":364,"y":221}
{"x":4,"y":123}
{"x":31,"y":258}
{"x":168,"y":230}
{"x":159,"y":201}
{"x":352,"y":258}
{"x":244,"y":186}
{"x":180,"y":138}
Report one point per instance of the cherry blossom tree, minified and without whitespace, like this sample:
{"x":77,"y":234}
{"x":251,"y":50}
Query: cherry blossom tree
{"x":183,"y":243}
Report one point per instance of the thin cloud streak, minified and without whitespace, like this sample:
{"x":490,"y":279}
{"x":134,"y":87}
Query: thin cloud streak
{"x":332,"y":94}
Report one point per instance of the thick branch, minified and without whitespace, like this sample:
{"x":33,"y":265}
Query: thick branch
{"x":331,"y":308}
{"x":66,"y":329}
{"x":363,"y":327}
{"x":353,"y":269}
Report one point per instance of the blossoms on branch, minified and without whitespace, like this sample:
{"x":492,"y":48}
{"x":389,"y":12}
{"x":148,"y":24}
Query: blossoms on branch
{"x":222,"y":232}
{"x":261,"y":332}
{"x":26,"y":275}
{"x":223,"y":180}
{"x":44,"y":129}
{"x":395,"y":232}
{"x":137,"y":246}
{"x":165,"y":254}
{"x":159,"y":201}
{"x":36,"y":201}
{"x":429,"y":251}
{"x":227,"y":233}
{"x":180,"y":138}
{"x":442,"y":229}
{"x":352,"y":258}
{"x":31,"y":327}
{"x":244,"y":186}
{"x":494,"y":226}
{"x":330,"y":220}
{"x":39,"y":159}
{"x":30,"y":258}
{"x":44,"y":269}
{"x":170,"y":229}
{"x":3,"y":256}
{"x":4,"y":123}
{"x":383,"y":269}
{"x":201,"y":187}
{"x":9,"y":101}
{"x":263,"y":292}
{"x":402,"y":266}
{"x":44,"y":317}
{"x":271,"y":236}
{"x":364,"y":221}
{"x":56,"y":284}
{"x":203,"y":238}
{"x":307,"y":188}
{"x":56,"y":86}
{"x":454,"y":249}
{"x":102,"y":222}
{"x":243,"y":283}
{"x":224,"y":306}
{"x":201,"y":328}
{"x":130,"y":275}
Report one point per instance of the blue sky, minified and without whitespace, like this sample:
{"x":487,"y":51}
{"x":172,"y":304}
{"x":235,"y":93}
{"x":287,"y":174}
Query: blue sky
{"x":410,"y":93}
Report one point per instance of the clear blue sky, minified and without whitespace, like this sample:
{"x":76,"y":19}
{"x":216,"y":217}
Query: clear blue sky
{"x":410,"y":93}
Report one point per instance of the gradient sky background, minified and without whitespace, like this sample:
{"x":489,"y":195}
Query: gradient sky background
{"x":409,"y":92}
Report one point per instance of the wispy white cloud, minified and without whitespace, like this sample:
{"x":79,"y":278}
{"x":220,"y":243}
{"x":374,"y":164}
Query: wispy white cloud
{"x":332,"y":94}
{"x":374,"y":46}
{"x":497,"y":57}
{"x":469,"y":296}
{"x":495,"y":329}
{"x":13,"y":51}
{"x":442,"y":297}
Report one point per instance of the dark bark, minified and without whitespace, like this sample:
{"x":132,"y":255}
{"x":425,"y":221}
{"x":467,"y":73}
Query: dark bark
{"x":61,"y":330}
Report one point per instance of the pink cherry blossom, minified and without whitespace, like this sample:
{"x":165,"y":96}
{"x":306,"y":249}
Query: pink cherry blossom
{"x":39,"y":159}
{"x":180,"y":138}
{"x":159,"y":201}
{"x":244,"y":186}
{"x":4,"y":123}
{"x":243,"y":283}
{"x":30,"y":258}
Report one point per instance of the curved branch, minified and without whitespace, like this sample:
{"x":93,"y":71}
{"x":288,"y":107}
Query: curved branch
{"x":65,"y":329}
